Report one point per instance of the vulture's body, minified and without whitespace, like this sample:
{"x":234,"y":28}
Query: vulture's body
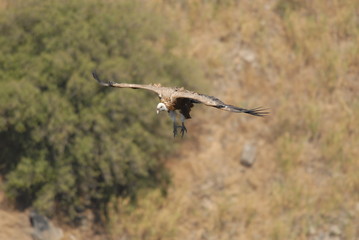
{"x":183,"y":100}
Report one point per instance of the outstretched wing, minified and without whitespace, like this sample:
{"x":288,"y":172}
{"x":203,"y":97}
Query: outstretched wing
{"x":153,"y":88}
{"x":215,"y":102}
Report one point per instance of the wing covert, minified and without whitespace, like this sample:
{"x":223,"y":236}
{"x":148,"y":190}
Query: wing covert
{"x":197,"y":97}
{"x":153,"y":88}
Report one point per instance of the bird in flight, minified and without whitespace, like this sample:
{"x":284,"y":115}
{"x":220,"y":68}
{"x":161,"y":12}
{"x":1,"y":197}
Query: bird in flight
{"x":173,"y":98}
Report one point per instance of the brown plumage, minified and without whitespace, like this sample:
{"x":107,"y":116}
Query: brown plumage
{"x":173,"y":99}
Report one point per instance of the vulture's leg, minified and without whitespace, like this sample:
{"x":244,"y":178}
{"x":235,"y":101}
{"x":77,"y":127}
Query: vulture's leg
{"x":183,"y":127}
{"x":173,"y":117}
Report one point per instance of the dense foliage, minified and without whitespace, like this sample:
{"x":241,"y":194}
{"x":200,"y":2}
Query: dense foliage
{"x":66,"y":143}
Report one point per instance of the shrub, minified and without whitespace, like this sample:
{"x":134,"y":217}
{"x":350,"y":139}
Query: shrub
{"x":67,"y":143}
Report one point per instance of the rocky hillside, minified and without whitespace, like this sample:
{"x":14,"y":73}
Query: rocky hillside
{"x":300,"y":59}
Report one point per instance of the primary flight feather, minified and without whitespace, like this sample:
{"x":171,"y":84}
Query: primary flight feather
{"x":172,"y":99}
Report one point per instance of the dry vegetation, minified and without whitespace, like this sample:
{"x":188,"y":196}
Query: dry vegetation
{"x":301,"y":60}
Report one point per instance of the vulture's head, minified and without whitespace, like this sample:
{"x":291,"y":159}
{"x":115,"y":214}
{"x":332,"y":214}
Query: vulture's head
{"x":161,"y":107}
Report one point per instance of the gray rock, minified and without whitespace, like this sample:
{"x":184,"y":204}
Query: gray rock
{"x":248,"y":155}
{"x":334,"y":231}
{"x":43,"y":229}
{"x":247,"y":55}
{"x":312,"y":230}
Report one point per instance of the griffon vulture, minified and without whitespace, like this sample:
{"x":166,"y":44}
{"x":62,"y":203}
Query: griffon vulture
{"x":173,"y":98}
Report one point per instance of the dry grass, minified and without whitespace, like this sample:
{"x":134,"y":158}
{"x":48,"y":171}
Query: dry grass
{"x":300,"y":59}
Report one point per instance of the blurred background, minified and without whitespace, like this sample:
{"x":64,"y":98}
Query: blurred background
{"x":80,"y":161}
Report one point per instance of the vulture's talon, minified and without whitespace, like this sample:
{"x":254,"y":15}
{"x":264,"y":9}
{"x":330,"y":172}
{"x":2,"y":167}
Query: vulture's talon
{"x":183,"y":129}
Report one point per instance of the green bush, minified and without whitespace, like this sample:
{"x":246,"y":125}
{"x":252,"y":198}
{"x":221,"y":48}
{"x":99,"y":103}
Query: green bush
{"x":67,"y":143}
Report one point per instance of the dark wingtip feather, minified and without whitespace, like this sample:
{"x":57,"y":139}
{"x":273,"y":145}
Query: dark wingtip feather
{"x":259,"y":112}
{"x":96,"y":77}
